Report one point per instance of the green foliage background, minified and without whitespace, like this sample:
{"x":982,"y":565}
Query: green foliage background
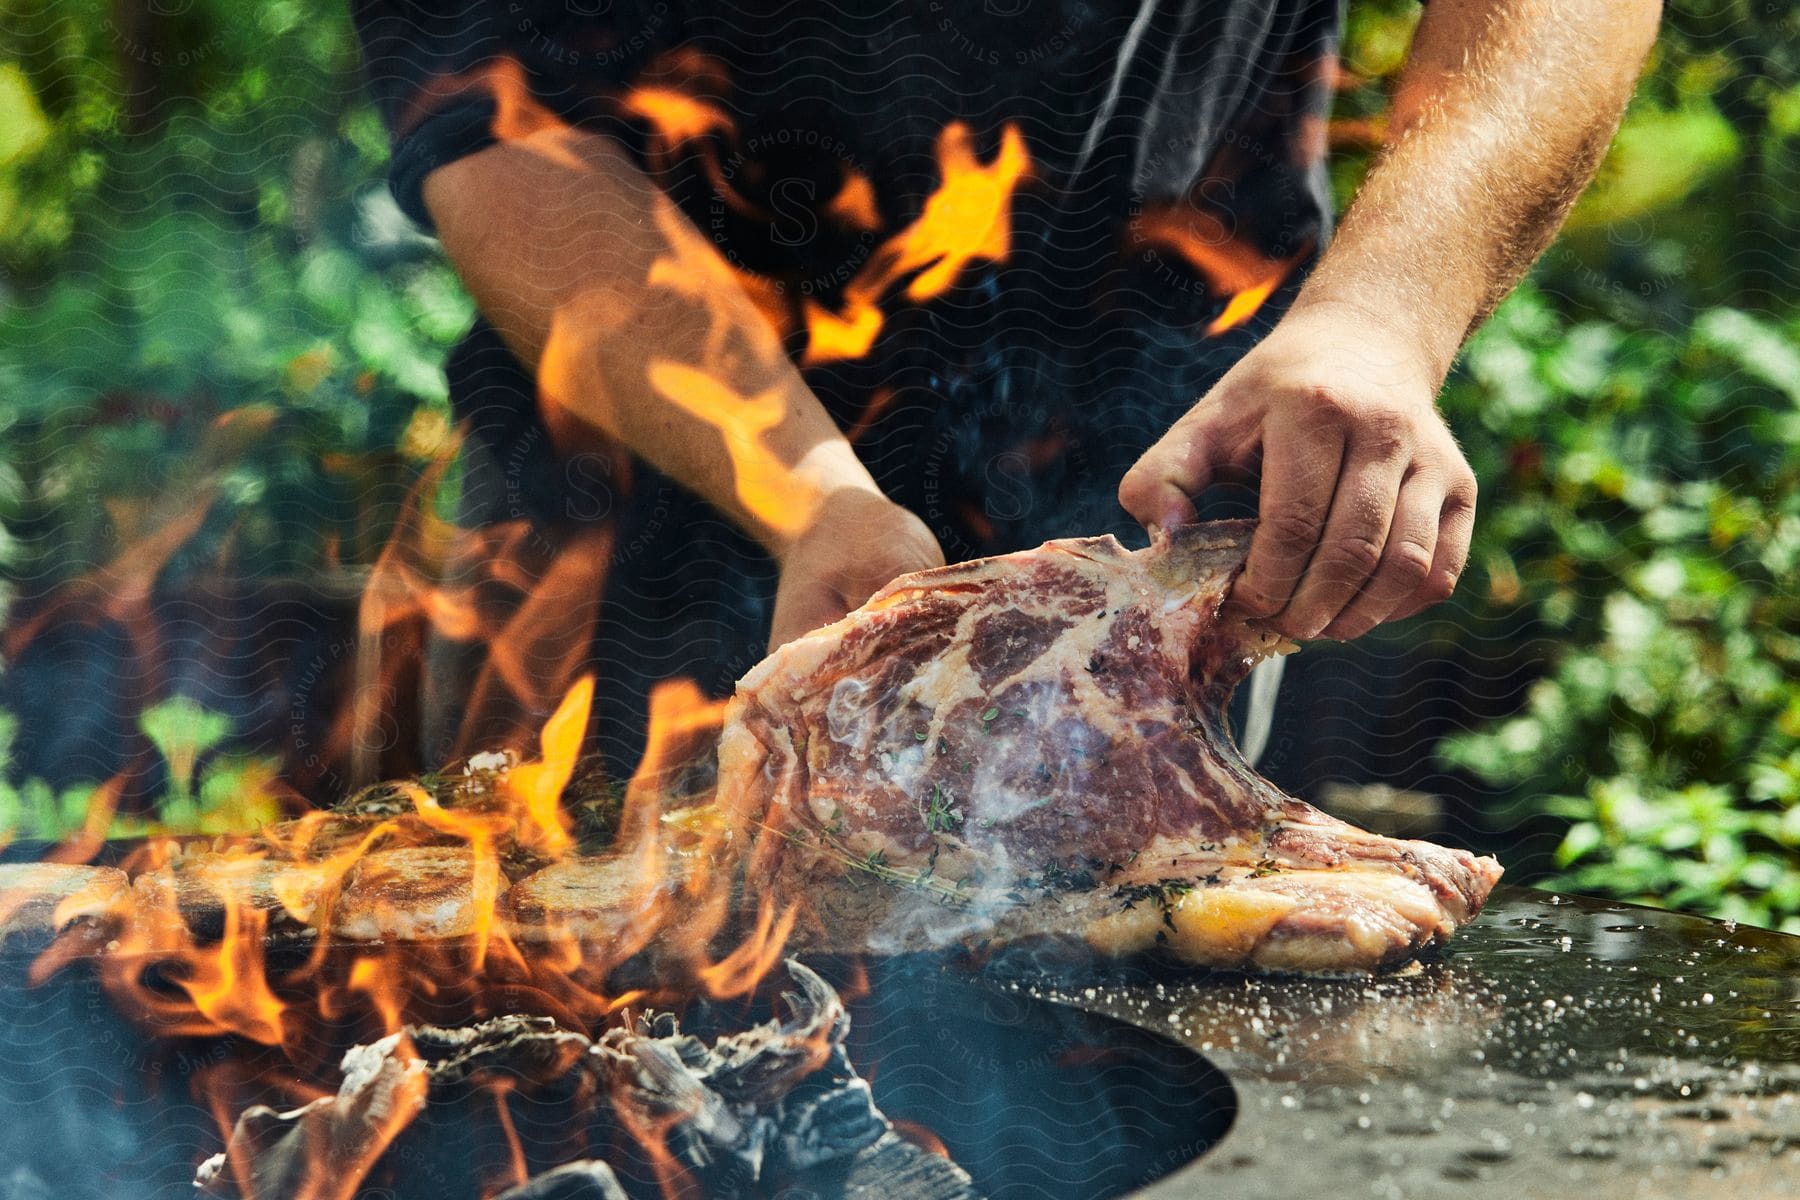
{"x":195,"y":245}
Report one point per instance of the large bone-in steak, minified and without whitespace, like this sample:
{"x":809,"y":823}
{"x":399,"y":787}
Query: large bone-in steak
{"x":1036,"y":744}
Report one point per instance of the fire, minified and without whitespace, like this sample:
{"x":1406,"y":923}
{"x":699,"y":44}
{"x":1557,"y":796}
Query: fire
{"x":967,"y":219}
{"x":694,"y":270}
{"x":224,"y":986}
{"x":354,"y":924}
{"x":518,"y":1171}
{"x":1234,"y":269}
{"x":229,"y":988}
{"x":676,"y":115}
{"x":683,"y":725}
{"x":381,"y":979}
{"x":680,"y":717}
{"x":738,"y":973}
{"x":331,"y":875}
{"x":530,"y":600}
{"x":832,"y":337}
{"x":81,"y":846}
{"x":766,"y":486}
{"x":854,"y":204}
{"x":715,"y":381}
{"x":538,"y":786}
{"x":1243,"y":305}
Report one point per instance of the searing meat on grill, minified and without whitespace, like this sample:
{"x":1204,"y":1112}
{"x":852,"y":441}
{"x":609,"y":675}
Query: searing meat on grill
{"x":1037,"y":743}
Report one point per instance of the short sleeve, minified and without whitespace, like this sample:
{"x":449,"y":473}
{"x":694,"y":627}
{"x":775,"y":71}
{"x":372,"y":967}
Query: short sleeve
{"x":429,"y":66}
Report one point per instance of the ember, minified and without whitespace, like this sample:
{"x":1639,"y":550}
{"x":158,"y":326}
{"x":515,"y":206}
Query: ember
{"x":776,"y":1107}
{"x":738,"y":1098}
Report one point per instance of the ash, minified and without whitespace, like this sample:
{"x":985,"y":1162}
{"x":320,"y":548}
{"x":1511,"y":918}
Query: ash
{"x":772,"y":1108}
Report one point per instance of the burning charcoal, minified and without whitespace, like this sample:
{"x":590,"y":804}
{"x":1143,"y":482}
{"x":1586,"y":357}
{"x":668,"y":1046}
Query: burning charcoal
{"x":724,"y":1143}
{"x":762,"y":1065}
{"x":386,"y":1084}
{"x":533,"y":1047}
{"x":323,"y":1149}
{"x":781,"y":1089}
{"x":40,"y":900}
{"x":779,"y":1098}
{"x":894,"y":1166}
{"x":585,"y":1180}
{"x":829,"y":1120}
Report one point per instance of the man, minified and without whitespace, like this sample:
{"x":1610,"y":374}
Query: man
{"x":676,"y":219}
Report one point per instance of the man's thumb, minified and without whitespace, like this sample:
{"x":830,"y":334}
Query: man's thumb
{"x":1159,"y":489}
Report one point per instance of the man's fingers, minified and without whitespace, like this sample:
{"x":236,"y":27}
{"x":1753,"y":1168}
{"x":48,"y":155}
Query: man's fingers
{"x":1354,"y":539}
{"x":1160,"y":487}
{"x":1156,"y":503}
{"x":1456,"y":525}
{"x":1299,"y":475}
{"x":1405,"y":561}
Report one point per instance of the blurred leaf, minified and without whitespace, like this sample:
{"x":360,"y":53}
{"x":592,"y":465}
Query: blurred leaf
{"x":182,"y":731}
{"x":1658,"y":158}
{"x":1765,"y":351}
{"x":23,"y":126}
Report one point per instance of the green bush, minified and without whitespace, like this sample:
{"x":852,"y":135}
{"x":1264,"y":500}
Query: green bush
{"x":212,"y":301}
{"x":1641,"y":510}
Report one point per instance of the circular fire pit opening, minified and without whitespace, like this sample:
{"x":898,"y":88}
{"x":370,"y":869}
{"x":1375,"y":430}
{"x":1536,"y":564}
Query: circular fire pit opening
{"x":1037,"y":1101}
{"x":1032,"y":1099}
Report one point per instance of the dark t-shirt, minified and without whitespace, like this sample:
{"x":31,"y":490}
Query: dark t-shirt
{"x":1175,"y":180}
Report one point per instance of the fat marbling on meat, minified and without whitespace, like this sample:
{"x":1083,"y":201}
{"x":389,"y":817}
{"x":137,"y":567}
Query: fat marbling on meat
{"x":1036,"y":744}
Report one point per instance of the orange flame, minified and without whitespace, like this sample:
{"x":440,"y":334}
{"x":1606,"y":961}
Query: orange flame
{"x":338,"y":882}
{"x":832,"y":336}
{"x":380,"y":978}
{"x":538,"y":786}
{"x":1243,"y":305}
{"x":766,"y":485}
{"x":680,"y":715}
{"x":224,"y":984}
{"x":738,"y":973}
{"x":676,"y":116}
{"x":855,"y":204}
{"x":229,"y":988}
{"x":1232,"y":267}
{"x":518,"y":1171}
{"x":328,"y":872}
{"x":968,"y":218}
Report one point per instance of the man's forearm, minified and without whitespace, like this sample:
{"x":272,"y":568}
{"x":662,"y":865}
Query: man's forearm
{"x":1366,"y":503}
{"x":1503,"y":112}
{"x":635,"y":325}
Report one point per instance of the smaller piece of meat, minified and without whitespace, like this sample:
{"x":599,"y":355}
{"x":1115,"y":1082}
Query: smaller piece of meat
{"x":1036,"y":743}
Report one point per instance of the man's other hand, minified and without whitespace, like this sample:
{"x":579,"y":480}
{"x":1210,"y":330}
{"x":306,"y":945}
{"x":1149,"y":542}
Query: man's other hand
{"x":1366,"y":502}
{"x":859,"y":541}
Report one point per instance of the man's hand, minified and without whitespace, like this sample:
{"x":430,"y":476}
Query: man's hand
{"x":859,"y":541}
{"x":1367,"y":504}
{"x":1500,"y":117}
